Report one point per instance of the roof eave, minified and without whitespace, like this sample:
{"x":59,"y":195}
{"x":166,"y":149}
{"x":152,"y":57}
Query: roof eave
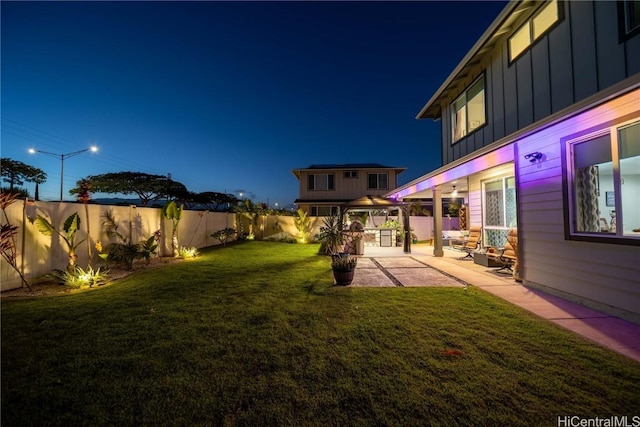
{"x":431,"y":109}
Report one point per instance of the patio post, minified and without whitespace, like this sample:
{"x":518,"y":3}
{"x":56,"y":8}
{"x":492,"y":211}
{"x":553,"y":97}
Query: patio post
{"x":407,"y":228}
{"x":437,"y":222}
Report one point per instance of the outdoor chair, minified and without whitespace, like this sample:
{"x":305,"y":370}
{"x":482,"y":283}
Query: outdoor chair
{"x":507,"y":256}
{"x":471,"y":243}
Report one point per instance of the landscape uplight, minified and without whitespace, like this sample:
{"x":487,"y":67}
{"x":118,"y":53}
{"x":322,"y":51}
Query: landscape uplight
{"x":93,"y":149}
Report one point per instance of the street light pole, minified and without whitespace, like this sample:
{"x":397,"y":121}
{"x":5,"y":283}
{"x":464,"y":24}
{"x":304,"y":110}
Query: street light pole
{"x":93,"y":149}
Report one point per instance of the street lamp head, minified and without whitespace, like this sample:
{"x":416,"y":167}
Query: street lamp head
{"x":32,"y":151}
{"x":93,"y":149}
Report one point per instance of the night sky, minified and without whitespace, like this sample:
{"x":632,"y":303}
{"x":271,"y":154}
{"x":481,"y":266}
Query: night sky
{"x":228,"y":96}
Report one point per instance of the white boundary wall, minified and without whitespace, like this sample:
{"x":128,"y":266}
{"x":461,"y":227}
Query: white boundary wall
{"x":39,"y":254}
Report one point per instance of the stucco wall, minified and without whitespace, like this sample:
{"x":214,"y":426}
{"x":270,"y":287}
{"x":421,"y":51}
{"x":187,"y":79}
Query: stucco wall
{"x":39,"y":254}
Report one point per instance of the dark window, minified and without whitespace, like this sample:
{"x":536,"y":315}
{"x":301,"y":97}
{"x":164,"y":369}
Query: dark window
{"x":324,"y":210}
{"x":378,"y":181}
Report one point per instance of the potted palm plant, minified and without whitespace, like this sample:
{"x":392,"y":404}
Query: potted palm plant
{"x":331,"y":236}
{"x":344,"y":268}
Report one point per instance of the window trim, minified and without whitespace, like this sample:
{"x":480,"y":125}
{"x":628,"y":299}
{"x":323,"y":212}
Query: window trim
{"x":503,"y":179}
{"x":611,"y":129}
{"x":533,"y":40}
{"x":465,"y":131}
{"x":377,"y":180}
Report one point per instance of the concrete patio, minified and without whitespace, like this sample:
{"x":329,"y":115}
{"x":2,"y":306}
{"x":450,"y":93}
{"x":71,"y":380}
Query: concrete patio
{"x":390,"y":266}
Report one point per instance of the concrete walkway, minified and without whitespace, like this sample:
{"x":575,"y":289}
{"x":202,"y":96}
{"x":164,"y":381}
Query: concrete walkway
{"x":391,"y":267}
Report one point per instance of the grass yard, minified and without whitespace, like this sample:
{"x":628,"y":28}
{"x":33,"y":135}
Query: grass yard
{"x":255,"y":334}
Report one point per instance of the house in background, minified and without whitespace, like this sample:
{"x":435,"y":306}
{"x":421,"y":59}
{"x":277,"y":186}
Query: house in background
{"x":540,"y":131}
{"x":323,"y":188}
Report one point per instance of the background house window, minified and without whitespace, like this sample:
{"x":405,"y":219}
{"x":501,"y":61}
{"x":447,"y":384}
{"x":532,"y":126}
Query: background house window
{"x":324,"y":210}
{"x":378,"y":181}
{"x":350,"y":174}
{"x":468,"y":110}
{"x":499,"y":210}
{"x":534,"y":28}
{"x":320,"y":181}
{"x":605,"y":187}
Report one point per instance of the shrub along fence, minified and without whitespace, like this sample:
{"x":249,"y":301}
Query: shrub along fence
{"x":38,"y":254}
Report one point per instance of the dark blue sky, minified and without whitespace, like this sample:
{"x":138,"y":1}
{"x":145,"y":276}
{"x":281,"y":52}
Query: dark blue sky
{"x":228,"y":95}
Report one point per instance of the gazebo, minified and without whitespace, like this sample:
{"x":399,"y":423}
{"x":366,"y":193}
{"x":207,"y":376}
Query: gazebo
{"x":373,"y":202}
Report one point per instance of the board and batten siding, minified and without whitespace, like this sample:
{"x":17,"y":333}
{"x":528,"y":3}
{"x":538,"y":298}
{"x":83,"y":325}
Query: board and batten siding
{"x":599,"y":273}
{"x":579,"y":57}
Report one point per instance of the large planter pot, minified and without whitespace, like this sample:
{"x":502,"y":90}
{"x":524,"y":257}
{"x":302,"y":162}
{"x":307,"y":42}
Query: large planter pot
{"x":343,"y":277}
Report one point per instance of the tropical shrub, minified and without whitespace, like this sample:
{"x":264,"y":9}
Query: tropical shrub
{"x":224,"y":234}
{"x":188,"y":252}
{"x":69,"y":232}
{"x":8,"y":232}
{"x":331,"y":236}
{"x":173,"y":212}
{"x":79,"y":278}
{"x":303,"y":225}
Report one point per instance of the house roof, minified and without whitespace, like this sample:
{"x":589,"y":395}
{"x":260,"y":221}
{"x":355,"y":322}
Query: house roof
{"x":347,"y":166}
{"x":471,"y":65}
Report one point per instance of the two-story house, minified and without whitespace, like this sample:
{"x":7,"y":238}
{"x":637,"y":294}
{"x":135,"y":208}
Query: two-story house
{"x":323,"y":188}
{"x":540,"y":125}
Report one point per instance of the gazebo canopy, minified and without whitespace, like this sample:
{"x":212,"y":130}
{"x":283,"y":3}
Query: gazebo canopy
{"x":370,"y":201}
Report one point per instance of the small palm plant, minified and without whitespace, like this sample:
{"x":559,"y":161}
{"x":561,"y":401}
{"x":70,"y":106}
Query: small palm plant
{"x":331,"y":236}
{"x":303,"y":225}
{"x":173,"y":212}
{"x":69,"y":233}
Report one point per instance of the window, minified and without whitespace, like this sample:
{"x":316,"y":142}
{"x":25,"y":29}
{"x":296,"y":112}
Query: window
{"x":499,"y":210}
{"x":320,"y":181}
{"x":324,"y":210}
{"x":350,"y":174}
{"x":605,"y":183}
{"x":468,"y":110}
{"x":631,"y":16}
{"x":534,"y":28}
{"x":378,"y":181}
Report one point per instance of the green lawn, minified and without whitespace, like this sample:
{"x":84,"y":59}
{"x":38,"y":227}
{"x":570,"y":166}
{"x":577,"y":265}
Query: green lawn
{"x":255,"y":334}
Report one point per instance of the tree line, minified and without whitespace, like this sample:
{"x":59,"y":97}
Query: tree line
{"x":147,"y":187}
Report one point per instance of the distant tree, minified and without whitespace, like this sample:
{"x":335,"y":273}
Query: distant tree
{"x":213,"y":201}
{"x":17,"y":173}
{"x":146,"y":186}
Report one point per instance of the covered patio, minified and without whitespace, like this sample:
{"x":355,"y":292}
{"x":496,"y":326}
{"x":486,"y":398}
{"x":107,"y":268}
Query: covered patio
{"x":384,"y":238}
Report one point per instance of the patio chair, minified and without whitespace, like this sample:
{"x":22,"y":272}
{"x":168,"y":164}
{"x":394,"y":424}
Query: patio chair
{"x":507,"y":256}
{"x":471,"y":243}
